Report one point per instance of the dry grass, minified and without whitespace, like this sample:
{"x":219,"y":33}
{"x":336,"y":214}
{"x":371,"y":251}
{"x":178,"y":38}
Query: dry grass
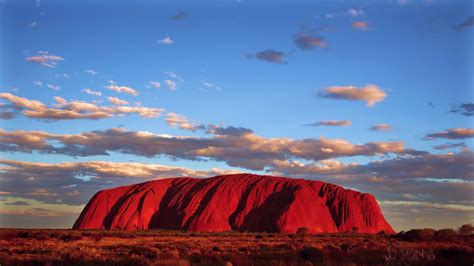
{"x":161,"y":247}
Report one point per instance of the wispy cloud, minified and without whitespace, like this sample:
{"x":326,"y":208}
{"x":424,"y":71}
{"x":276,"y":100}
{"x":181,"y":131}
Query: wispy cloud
{"x":272,"y":56}
{"x":117,"y":101}
{"x":467,"y":23}
{"x":426,"y":165}
{"x":38,"y":83}
{"x":45,"y":59}
{"x":208,"y":85}
{"x":171,"y":84}
{"x":459,"y":207}
{"x":308,"y":42}
{"x":91,"y":92}
{"x":334,"y":123}
{"x":453,"y":133}
{"x":166,"y":41}
{"x":122,"y":89}
{"x":155,"y":84}
{"x":176,"y":120}
{"x":174,"y":76}
{"x":466,"y":109}
{"x":355,"y":12}
{"x":91,"y":72}
{"x":179,"y":16}
{"x":369,"y":93}
{"x":450,"y":146}
{"x":66,"y":110}
{"x":239,"y":149}
{"x":381,"y":127}
{"x":50,"y":182}
{"x":54,"y":87}
{"x":360,"y":25}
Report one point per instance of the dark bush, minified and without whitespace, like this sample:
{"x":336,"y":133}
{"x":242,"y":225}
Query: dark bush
{"x":446,"y":234}
{"x":417,"y":235}
{"x":71,"y":237}
{"x":23,"y":234}
{"x":302,"y":231}
{"x":454,"y":256}
{"x":367,"y":256}
{"x":466,"y":229}
{"x":311,"y":254}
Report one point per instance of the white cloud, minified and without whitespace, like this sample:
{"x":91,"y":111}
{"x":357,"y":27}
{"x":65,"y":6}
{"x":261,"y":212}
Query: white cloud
{"x":43,"y":58}
{"x":355,"y":12}
{"x":171,"y":84}
{"x":117,"y":101}
{"x":155,"y":84}
{"x":123,"y":89}
{"x":91,"y":92}
{"x":174,"y":76}
{"x":91,"y":72}
{"x":54,"y":87}
{"x":166,"y":41}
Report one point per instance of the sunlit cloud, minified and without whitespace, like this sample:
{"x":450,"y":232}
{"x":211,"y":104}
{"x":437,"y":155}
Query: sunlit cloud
{"x":176,"y":120}
{"x":453,"y":133}
{"x":369,"y":93}
{"x":45,"y":59}
{"x":458,"y":207}
{"x":76,"y":182}
{"x":238,"y":148}
{"x":66,"y":110}
{"x":434,"y":166}
{"x":117,"y":101}
{"x":91,"y":92}
{"x":308,"y":42}
{"x":334,"y":123}
{"x":34,"y":208}
{"x":122,"y":89}
{"x":360,"y":25}
{"x":381,"y":127}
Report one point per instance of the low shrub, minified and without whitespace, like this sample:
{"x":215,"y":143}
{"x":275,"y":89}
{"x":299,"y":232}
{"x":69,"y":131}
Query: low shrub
{"x":313,"y":254}
{"x":416,"y":235}
{"x":466,"y":229}
{"x":446,"y":234}
{"x":302,"y":231}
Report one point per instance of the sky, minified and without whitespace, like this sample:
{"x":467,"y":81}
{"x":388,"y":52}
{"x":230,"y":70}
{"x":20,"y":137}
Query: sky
{"x":374,"y":96}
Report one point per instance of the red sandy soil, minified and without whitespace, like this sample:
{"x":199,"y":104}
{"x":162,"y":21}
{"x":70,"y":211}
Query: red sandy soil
{"x":165,"y":247}
{"x":241,"y":202}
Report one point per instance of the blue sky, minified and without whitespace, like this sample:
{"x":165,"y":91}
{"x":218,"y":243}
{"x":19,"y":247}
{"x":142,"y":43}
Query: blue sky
{"x":419,"y":53}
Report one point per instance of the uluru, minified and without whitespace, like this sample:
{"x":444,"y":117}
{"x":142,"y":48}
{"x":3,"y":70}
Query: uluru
{"x":240,"y":202}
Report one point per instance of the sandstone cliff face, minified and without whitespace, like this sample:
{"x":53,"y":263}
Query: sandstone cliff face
{"x":240,"y":202}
